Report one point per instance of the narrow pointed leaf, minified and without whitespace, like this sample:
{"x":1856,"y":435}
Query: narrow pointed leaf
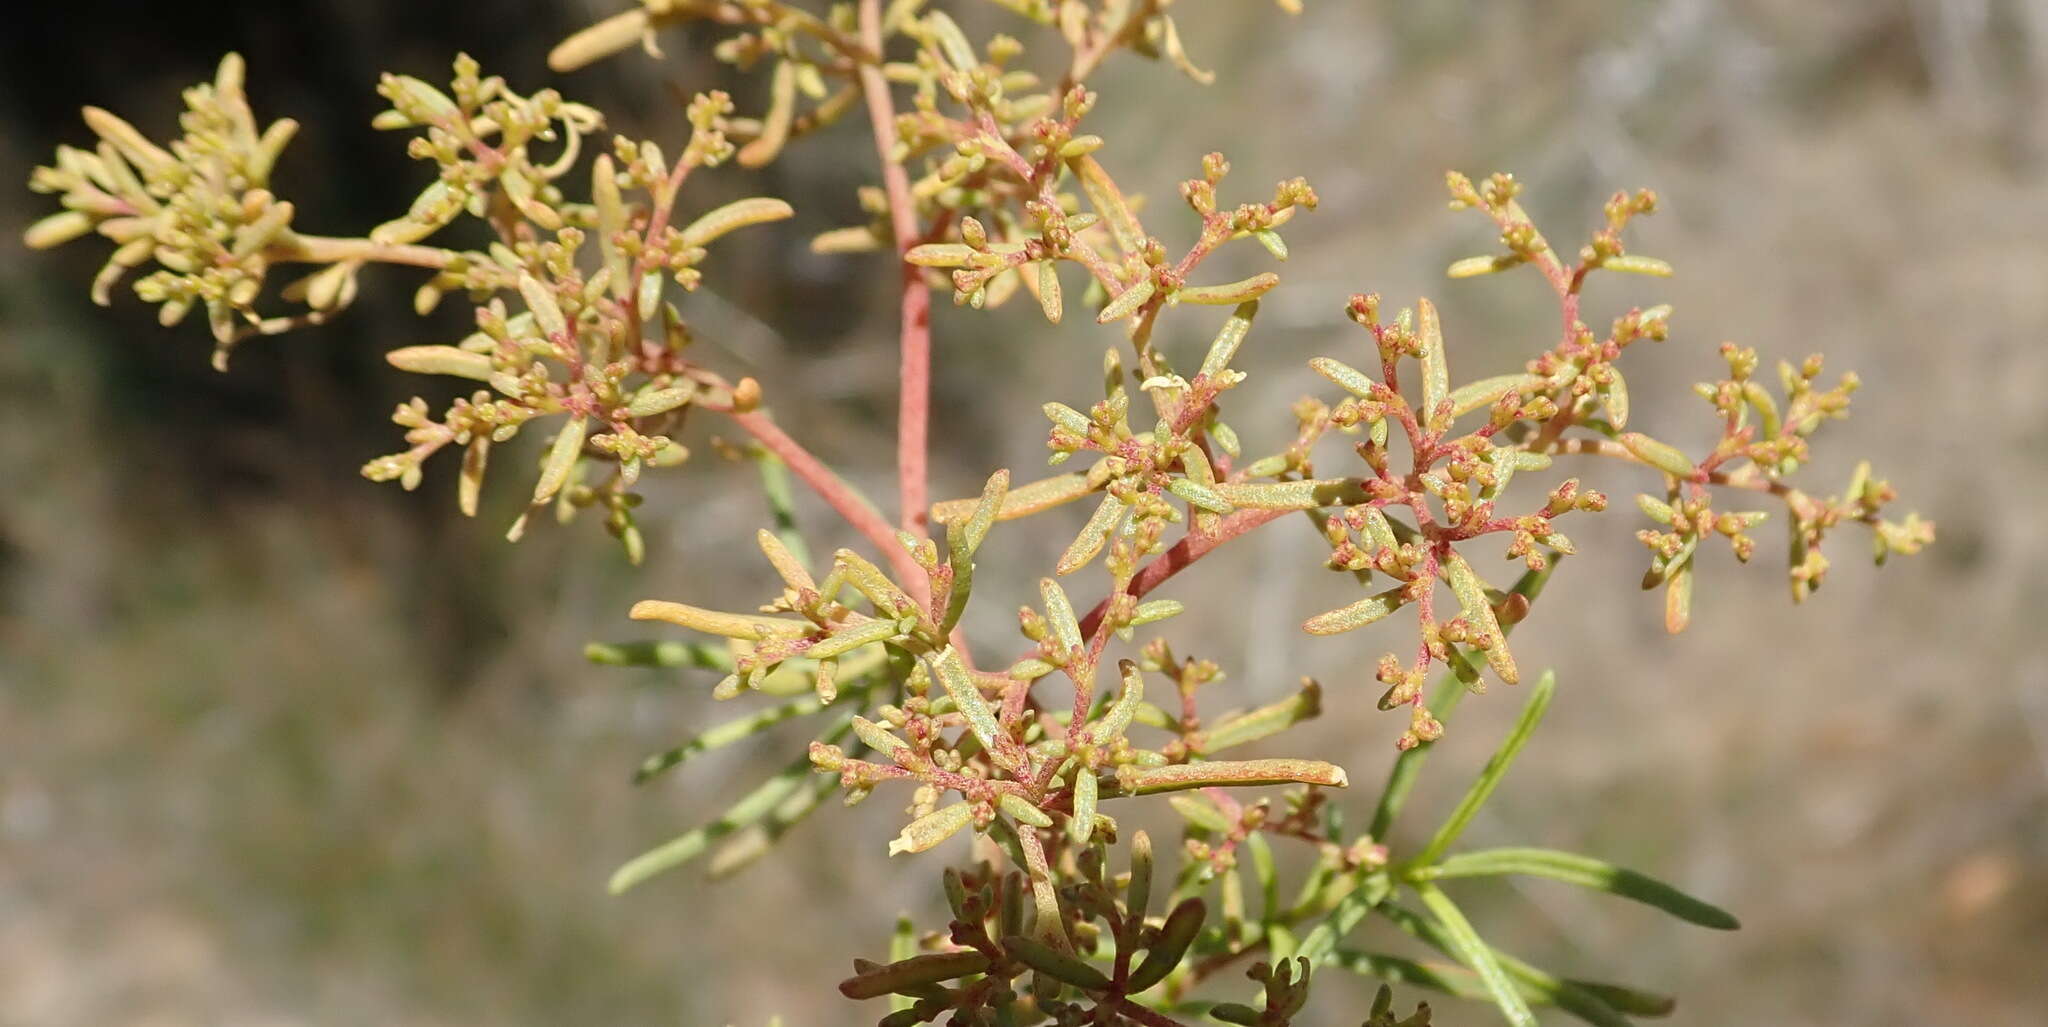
{"x":1450,"y":689}
{"x":1587,"y":872}
{"x":1489,"y":778}
{"x":1467,"y":946}
{"x":753,"y":806}
{"x":722,"y":735}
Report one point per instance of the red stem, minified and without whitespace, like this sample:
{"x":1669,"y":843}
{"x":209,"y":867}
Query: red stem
{"x":913,"y":412}
{"x":838,"y":495}
{"x":1185,"y":552}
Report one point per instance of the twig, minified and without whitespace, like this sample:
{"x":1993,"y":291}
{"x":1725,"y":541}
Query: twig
{"x":913,"y":410}
{"x":837,"y":494}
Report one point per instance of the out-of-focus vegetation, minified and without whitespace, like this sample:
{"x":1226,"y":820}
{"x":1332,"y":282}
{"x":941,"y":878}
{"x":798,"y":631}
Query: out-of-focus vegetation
{"x":262,"y":768}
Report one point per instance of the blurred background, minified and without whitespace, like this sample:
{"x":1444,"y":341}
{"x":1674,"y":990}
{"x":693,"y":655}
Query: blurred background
{"x":282,"y":746}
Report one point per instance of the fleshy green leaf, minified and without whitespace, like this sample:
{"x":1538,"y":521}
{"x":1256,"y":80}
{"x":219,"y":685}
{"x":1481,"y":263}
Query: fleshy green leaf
{"x":906,"y":976}
{"x":1358,"y":614}
{"x":1436,"y":373}
{"x":1126,"y":302}
{"x":1056,"y":964}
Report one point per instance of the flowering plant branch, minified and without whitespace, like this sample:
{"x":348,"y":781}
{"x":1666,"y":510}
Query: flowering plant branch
{"x":990,"y":187}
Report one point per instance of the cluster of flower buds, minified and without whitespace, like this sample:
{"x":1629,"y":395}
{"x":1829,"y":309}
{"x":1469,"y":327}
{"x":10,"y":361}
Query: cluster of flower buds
{"x":200,"y":208}
{"x":603,"y":351}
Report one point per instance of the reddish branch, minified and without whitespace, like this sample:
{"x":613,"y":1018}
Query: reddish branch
{"x":837,"y":494}
{"x":913,"y":413}
{"x":1185,"y":552}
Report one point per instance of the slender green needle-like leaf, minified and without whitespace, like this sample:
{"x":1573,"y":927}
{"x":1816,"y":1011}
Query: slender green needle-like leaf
{"x":1128,"y":698}
{"x":756,"y":840}
{"x":562,"y":456}
{"x":735,"y":215}
{"x":1108,"y":201}
{"x":1638,"y":265}
{"x":1467,"y":946}
{"x":1450,"y":689}
{"x":1586,"y":872}
{"x":1345,"y":916}
{"x":1081,"y":826}
{"x":1539,"y":989}
{"x":752,"y":627}
{"x":1139,"y":892}
{"x":751,"y":808}
{"x":722,"y":735}
{"x":927,"y":831}
{"x":902,"y":946}
{"x":964,"y":539}
{"x":1602,"y":1005}
{"x":1489,"y":778}
{"x":848,"y":639}
{"x":781,"y":504}
{"x":1021,"y":810}
{"x":1198,"y":495}
{"x":702,"y":655}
